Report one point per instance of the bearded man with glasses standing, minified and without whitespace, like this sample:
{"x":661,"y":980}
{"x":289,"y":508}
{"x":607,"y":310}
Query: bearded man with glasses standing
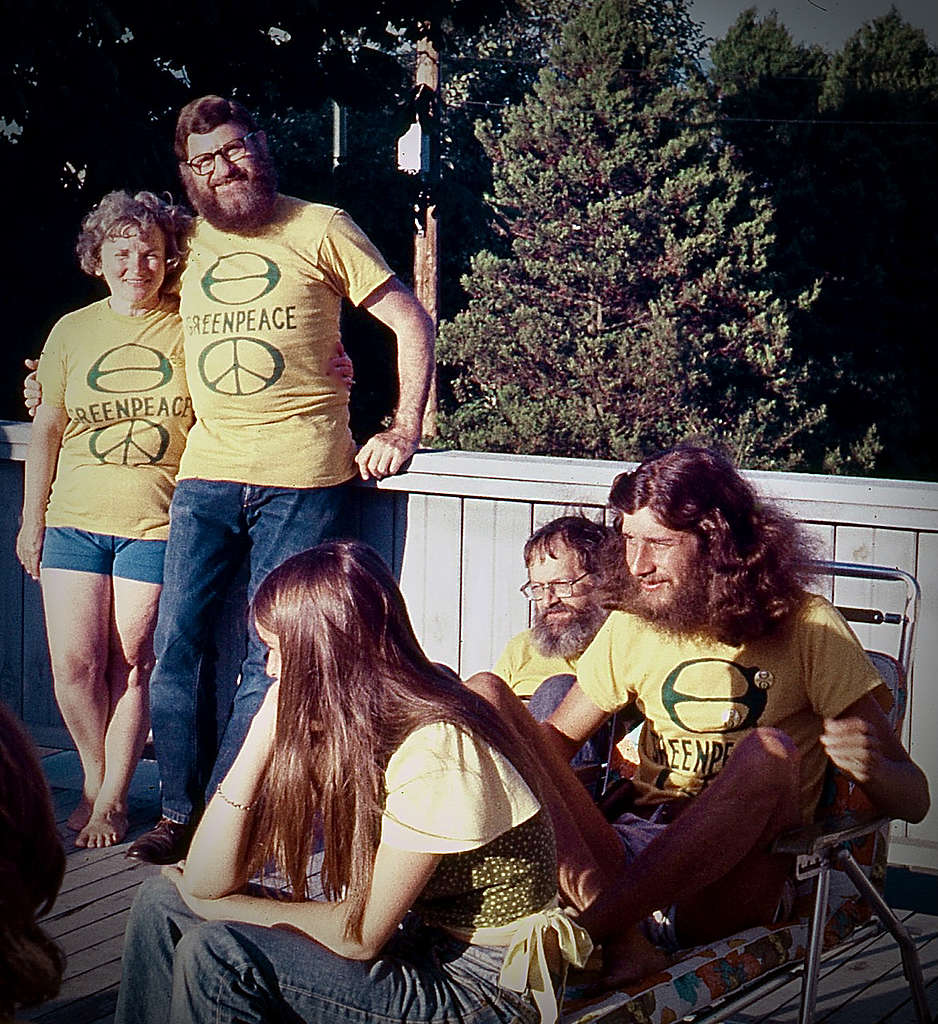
{"x":267,"y":464}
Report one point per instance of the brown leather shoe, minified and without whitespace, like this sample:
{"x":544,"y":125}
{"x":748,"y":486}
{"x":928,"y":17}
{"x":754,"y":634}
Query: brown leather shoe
{"x":166,"y":843}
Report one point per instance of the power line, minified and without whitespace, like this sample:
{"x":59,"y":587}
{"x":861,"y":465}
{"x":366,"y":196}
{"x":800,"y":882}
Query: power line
{"x":812,"y":121}
{"x":445,"y":59}
{"x":748,"y":78}
{"x":822,"y":122}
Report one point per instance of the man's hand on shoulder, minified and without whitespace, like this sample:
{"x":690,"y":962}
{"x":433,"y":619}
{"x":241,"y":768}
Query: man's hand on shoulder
{"x":386,"y":453}
{"x":32,"y":392}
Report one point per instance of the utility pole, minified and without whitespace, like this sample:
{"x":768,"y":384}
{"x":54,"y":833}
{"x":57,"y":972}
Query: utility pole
{"x":426,"y":240}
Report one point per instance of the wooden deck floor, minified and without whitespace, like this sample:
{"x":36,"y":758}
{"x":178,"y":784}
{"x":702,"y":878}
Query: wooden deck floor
{"x":89,"y":917}
{"x":90,"y":913}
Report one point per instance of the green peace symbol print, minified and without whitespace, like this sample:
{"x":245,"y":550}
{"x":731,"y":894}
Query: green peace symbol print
{"x":130,"y":368}
{"x":240,"y":366}
{"x":136,"y":442}
{"x":752,"y":700}
{"x":239,"y":277}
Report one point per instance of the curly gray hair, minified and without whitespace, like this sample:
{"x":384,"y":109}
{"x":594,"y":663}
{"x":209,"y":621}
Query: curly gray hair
{"x":120,"y":212}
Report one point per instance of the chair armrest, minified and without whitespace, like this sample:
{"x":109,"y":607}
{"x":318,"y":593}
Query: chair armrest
{"x":830,"y":832}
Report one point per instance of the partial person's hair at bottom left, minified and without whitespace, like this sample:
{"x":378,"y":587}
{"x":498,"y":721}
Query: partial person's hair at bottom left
{"x":32,"y":865}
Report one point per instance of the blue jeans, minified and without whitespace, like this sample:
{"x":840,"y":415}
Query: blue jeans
{"x":546,"y":699}
{"x":213,"y":526}
{"x":179,"y":969}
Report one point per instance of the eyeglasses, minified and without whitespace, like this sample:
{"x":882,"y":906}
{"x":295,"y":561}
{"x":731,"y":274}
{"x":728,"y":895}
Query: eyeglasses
{"x":559,"y":588}
{"x":232,"y":151}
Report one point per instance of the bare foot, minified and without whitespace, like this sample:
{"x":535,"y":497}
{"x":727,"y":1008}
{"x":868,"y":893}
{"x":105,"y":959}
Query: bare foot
{"x":630,"y":957}
{"x":103,"y":829}
{"x":80,"y":817}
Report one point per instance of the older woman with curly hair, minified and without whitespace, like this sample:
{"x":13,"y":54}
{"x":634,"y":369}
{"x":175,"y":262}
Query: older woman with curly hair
{"x":106,"y":443}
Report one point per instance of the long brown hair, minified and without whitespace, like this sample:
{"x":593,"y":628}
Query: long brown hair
{"x":354,"y":683}
{"x":32,"y":864}
{"x":754,"y":556}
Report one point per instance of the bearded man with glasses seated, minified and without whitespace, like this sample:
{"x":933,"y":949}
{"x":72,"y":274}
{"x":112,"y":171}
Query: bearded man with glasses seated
{"x":573,"y":564}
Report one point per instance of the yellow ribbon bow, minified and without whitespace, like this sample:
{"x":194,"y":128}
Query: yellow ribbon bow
{"x":525,"y":966}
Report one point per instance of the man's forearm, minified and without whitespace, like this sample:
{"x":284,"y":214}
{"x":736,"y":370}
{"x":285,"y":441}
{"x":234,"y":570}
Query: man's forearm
{"x":397,"y":308}
{"x":562,"y":745}
{"x":388,"y":452}
{"x":415,"y":366}
{"x":900,"y":790}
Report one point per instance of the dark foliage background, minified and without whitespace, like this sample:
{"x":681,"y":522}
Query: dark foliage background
{"x":838,"y":153}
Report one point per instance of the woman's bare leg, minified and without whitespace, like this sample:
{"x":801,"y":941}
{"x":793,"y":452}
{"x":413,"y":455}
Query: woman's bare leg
{"x":130,"y":662}
{"x":77,"y":608}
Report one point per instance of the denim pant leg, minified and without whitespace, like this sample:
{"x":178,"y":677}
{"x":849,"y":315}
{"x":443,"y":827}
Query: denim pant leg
{"x":203,"y":552}
{"x":158,"y":920}
{"x":246,"y":974}
{"x":179,"y":969}
{"x":547,"y":697}
{"x":281,"y":522}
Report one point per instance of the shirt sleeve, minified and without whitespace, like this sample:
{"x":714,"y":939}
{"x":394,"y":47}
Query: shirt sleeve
{"x":599,"y":668}
{"x":351,"y":259}
{"x":448,"y":792}
{"x":837,"y":668}
{"x":505,"y":666}
{"x":52,"y":370}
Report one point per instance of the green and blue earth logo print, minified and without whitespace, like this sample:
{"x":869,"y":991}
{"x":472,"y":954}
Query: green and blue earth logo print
{"x":129,"y":369}
{"x":240,"y":277}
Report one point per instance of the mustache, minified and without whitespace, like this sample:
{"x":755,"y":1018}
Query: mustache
{"x":234,"y":174}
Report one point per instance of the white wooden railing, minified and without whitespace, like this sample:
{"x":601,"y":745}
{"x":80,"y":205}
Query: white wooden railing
{"x":453,"y":526}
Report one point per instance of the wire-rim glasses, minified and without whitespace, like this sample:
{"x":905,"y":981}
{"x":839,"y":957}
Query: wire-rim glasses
{"x":559,"y":588}
{"x":232,"y":151}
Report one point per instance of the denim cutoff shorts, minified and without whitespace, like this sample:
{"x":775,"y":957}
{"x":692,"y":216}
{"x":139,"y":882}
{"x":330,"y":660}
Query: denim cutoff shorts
{"x":65,"y":547}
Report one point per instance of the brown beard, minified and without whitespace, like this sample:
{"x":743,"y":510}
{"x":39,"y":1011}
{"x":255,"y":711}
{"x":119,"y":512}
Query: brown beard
{"x":570,"y":639}
{"x":687,"y":611}
{"x":255,"y":212}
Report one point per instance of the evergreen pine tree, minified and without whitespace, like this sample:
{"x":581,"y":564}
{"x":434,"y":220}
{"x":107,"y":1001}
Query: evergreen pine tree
{"x":636,"y":305}
{"x":846,"y":147}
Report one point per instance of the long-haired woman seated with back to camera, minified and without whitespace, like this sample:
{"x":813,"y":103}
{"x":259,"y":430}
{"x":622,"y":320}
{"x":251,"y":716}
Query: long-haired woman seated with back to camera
{"x":439,"y":860}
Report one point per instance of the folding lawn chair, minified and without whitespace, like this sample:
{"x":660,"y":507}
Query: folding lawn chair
{"x":840,"y":868}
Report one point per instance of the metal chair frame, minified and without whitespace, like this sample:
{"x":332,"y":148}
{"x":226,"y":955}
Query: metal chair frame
{"x":819,"y":848}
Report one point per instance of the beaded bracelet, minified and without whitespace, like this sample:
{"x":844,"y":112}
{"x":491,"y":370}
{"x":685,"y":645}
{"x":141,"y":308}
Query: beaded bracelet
{"x":234,"y":803}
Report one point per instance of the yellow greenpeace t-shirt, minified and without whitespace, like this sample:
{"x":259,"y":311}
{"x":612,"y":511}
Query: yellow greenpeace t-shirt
{"x":261,"y":321}
{"x":524,"y":668}
{"x":122,"y":382}
{"x":701,"y":697}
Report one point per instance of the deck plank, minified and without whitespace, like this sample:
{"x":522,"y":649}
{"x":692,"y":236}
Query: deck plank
{"x":883,"y":993}
{"x":97,"y":1008}
{"x":90,"y":913}
{"x":863,"y":986}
